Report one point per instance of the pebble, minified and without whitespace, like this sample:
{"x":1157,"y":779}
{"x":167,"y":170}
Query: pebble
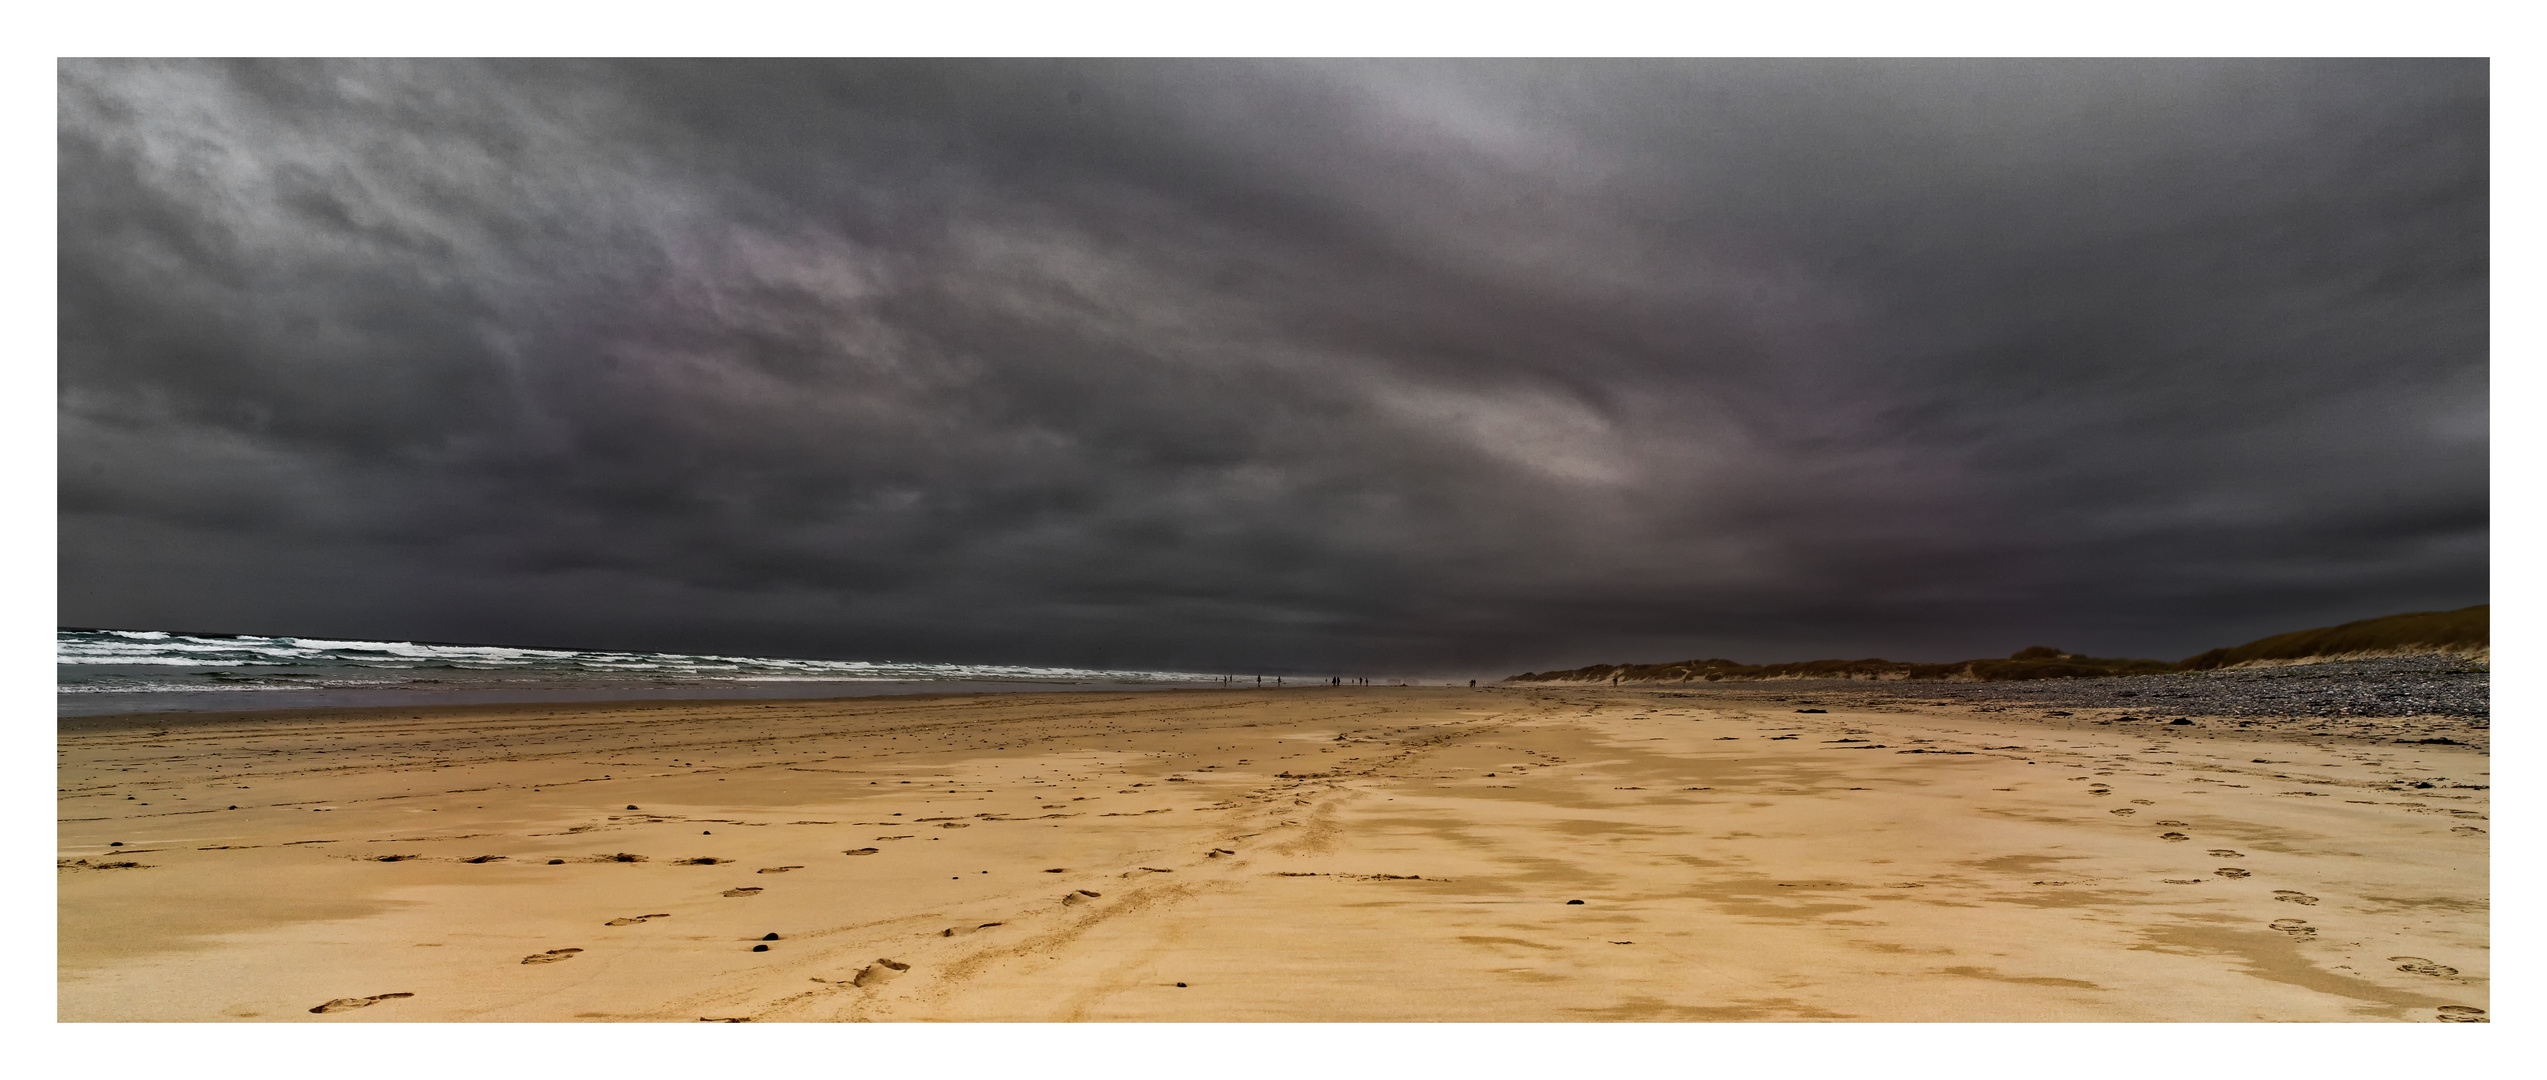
{"x":2450,"y":696}
{"x":2394,"y":686}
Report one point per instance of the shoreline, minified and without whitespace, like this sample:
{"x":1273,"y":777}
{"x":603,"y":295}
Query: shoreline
{"x":177,"y":703}
{"x":91,"y":723}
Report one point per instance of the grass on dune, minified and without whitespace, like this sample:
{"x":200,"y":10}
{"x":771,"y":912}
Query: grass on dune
{"x":2464,"y":630}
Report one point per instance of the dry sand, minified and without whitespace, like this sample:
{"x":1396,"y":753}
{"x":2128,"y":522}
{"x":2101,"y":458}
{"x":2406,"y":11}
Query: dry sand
{"x":1309,"y":854}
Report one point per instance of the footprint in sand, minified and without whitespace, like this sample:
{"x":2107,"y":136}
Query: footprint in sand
{"x":349,"y":1004}
{"x":747,"y":890}
{"x":703,"y":860}
{"x":2173,"y":824}
{"x":2297,"y":928}
{"x":2462,"y":1014}
{"x":551,"y":956}
{"x":2230,"y":872}
{"x":2122,"y":811}
{"x":2145,"y":802}
{"x":2294,"y":896}
{"x":483,"y":859}
{"x":776,"y":869}
{"x":960,"y":931}
{"x":2182,"y":880}
{"x":2224,"y":853}
{"x":2172,"y":837}
{"x":2416,"y":965}
{"x":1080,"y":897}
{"x":633,"y":920}
{"x":860,"y":851}
{"x":882,"y":971}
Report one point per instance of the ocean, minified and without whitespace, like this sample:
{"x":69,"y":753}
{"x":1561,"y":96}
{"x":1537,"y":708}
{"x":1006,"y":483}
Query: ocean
{"x":126,"y":671}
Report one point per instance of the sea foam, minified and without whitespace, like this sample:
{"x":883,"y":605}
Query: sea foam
{"x":88,"y":662}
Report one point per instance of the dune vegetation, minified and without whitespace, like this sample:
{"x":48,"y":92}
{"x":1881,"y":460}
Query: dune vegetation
{"x":2463,"y":632}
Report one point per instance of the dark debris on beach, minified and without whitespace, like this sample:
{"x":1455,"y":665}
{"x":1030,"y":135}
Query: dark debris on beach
{"x":2393,"y":699}
{"x":2392,"y":686}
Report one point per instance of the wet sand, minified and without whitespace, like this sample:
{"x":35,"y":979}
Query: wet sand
{"x":1308,"y":854}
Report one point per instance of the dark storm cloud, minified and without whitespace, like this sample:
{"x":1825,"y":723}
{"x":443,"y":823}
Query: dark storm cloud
{"x":1300,"y":365}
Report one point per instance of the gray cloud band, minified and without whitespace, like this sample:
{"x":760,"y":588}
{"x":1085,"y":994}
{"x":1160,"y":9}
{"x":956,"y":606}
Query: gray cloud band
{"x":1283,"y":365}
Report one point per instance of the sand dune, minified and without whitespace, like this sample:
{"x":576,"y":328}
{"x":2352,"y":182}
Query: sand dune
{"x":1347,"y":854}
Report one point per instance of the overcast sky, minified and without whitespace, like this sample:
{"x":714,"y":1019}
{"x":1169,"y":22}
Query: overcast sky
{"x":1315,"y":367}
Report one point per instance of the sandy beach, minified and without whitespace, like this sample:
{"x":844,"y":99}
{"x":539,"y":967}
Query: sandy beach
{"x":1352,"y":854}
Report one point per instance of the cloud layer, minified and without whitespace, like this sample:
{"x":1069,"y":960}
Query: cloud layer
{"x":1334,"y":366}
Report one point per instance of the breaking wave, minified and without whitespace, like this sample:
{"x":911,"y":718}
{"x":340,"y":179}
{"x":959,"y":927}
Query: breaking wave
{"x":129,"y":661}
